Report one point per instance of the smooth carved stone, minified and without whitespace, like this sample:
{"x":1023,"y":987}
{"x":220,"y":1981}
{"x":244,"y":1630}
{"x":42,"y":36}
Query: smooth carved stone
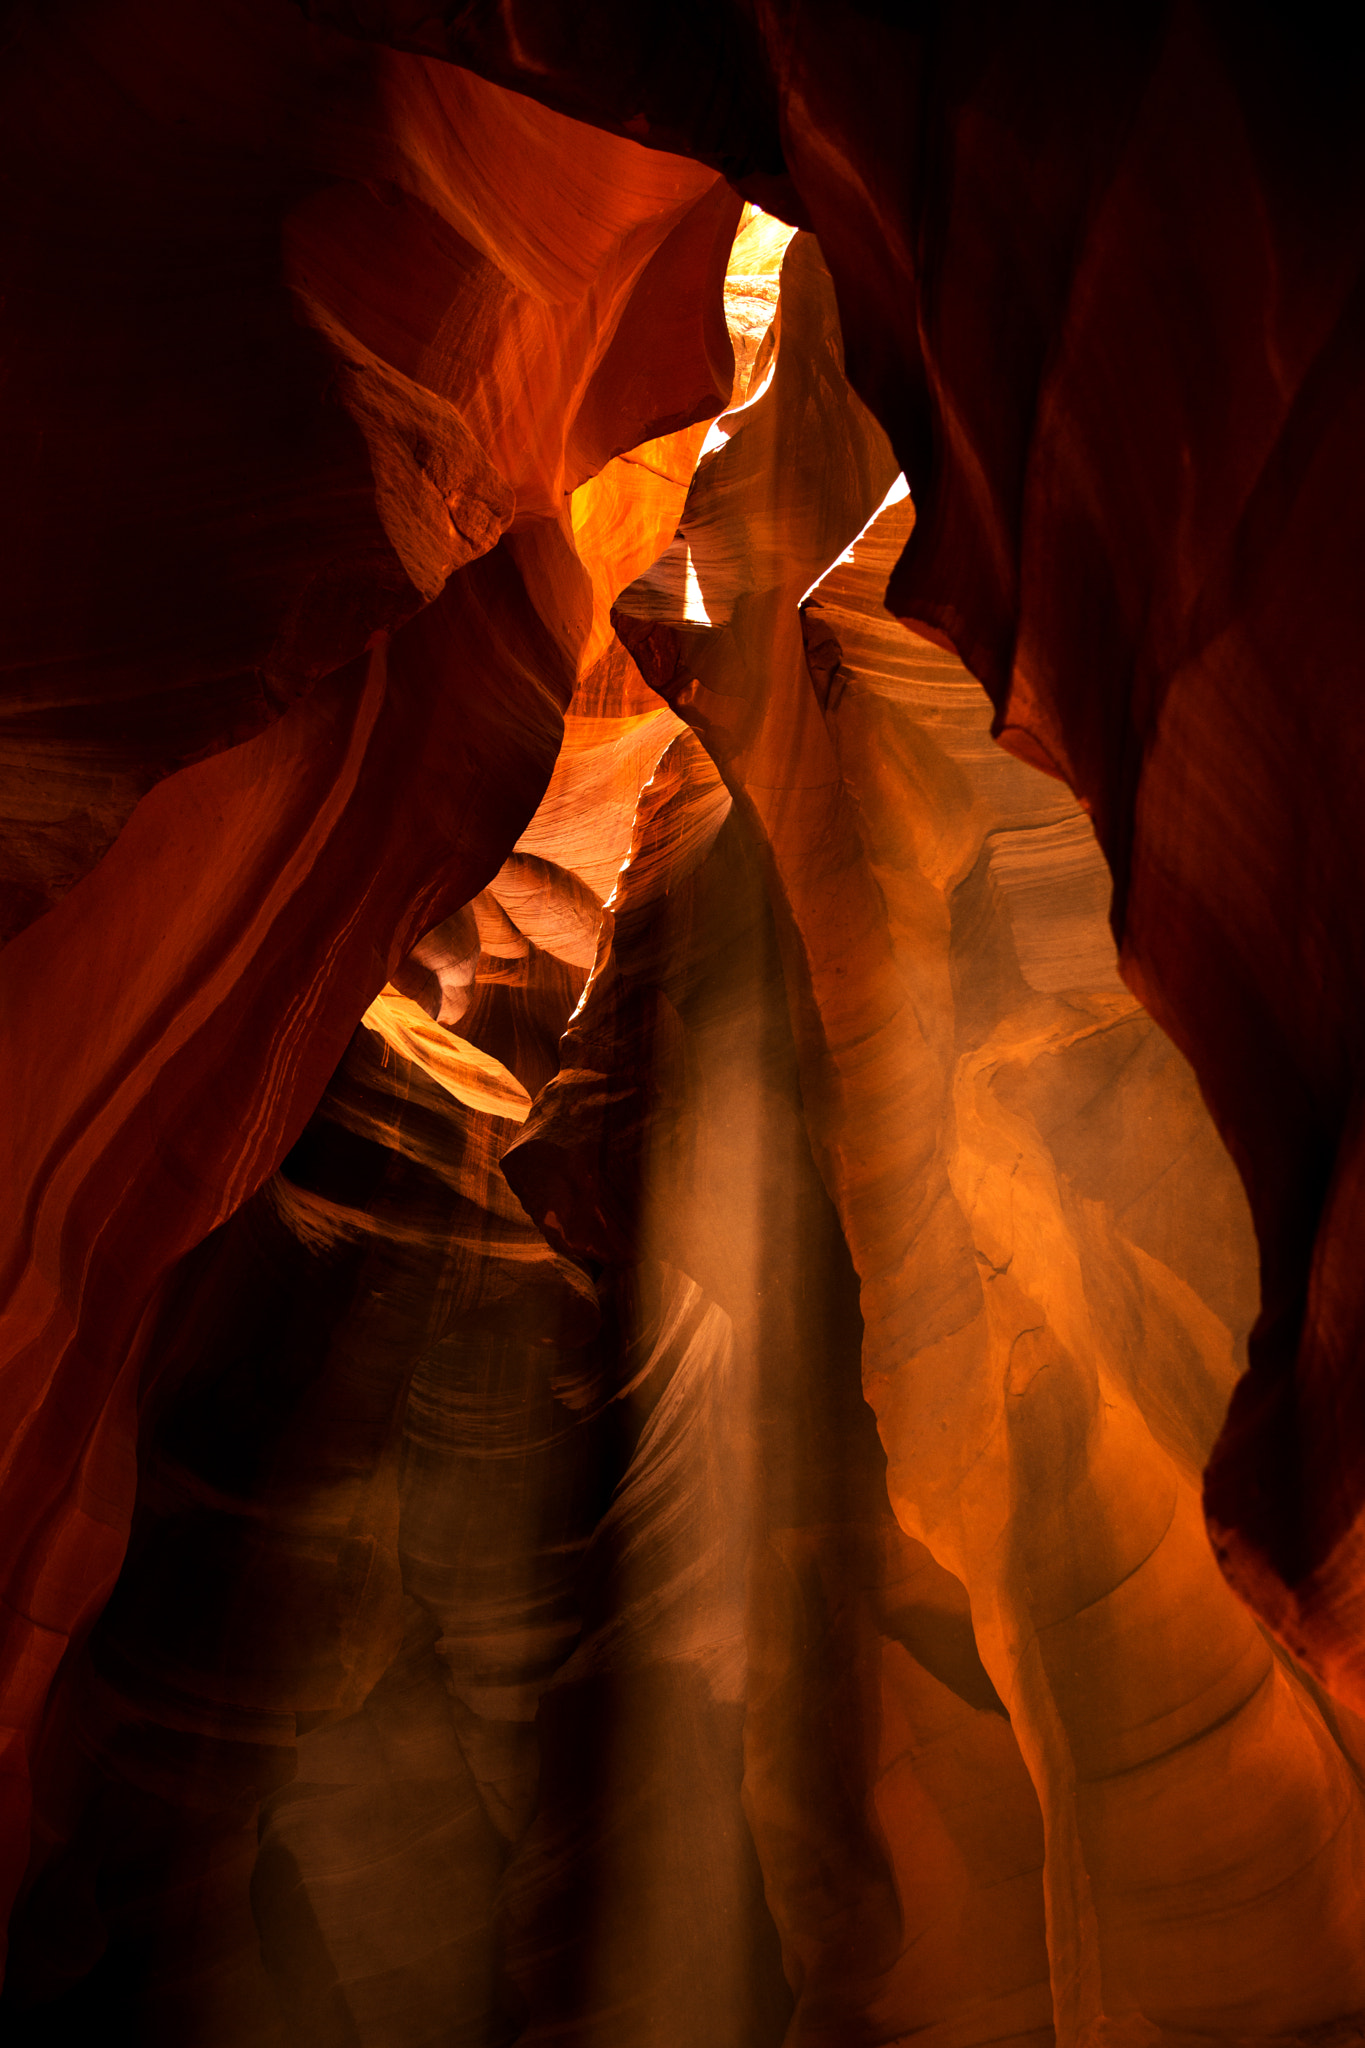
{"x":282,"y":449}
{"x":1046,"y":1387}
{"x":1098,"y":279}
{"x":459,"y":1590}
{"x":323,"y":311}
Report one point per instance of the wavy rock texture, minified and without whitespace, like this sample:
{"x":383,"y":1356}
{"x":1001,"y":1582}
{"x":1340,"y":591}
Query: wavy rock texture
{"x":292,"y":228}
{"x":613,"y":1314}
{"x":1099,"y":277}
{"x":1130,"y":415}
{"x":1050,"y":1303}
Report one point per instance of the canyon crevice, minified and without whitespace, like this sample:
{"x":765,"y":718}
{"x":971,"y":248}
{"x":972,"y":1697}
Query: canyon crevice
{"x":680,"y":849}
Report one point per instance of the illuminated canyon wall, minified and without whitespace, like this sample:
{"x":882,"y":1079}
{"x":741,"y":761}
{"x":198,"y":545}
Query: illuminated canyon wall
{"x":615,"y":1314}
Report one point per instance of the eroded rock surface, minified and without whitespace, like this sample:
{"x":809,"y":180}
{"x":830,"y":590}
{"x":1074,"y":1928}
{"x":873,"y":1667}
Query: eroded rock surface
{"x":1098,"y":278}
{"x":1048,"y":1365}
{"x":614,"y":1312}
{"x":455,"y":350}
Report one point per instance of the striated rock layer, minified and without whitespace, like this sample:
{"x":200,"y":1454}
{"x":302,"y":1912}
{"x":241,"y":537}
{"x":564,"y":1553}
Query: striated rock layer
{"x":439,"y":411}
{"x":613,"y":1313}
{"x":1048,"y":1359}
{"x":1099,"y":280}
{"x":526,"y":1630}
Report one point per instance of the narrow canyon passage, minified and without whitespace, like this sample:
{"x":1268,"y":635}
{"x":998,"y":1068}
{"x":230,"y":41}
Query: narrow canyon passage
{"x":619,"y":1327}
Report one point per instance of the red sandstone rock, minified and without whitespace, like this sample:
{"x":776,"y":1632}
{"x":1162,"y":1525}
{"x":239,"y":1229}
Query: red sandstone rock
{"x":1096,"y":281}
{"x":1046,"y":1384}
{"x":452,"y":352}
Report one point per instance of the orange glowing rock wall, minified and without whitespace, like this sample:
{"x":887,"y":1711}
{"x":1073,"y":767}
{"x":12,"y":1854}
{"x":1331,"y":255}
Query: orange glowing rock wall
{"x":299,"y":430}
{"x":1053,"y":1261}
{"x":613,"y":1313}
{"x":1098,"y":277}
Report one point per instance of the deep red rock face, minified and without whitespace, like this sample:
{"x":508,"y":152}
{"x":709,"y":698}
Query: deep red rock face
{"x":1135,"y":263}
{"x":1098,"y":278}
{"x":613,"y":1314}
{"x":289,"y":460}
{"x":1047,"y":1363}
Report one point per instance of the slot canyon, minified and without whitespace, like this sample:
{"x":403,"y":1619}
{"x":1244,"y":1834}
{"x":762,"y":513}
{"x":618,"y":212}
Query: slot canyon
{"x":682,"y":845}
